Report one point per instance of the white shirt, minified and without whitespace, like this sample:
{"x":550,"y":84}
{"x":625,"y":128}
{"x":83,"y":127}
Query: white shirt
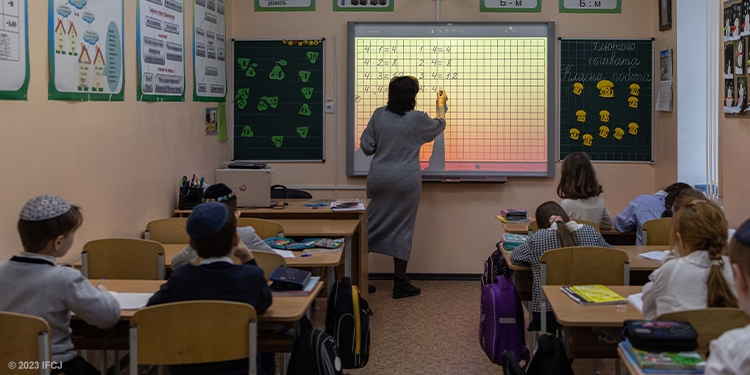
{"x":590,"y":209}
{"x":216,"y":260}
{"x":730,"y":353}
{"x":680,"y":284}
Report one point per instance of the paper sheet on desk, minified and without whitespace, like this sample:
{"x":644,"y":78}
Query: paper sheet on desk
{"x":132,"y":301}
{"x":285,"y":253}
{"x":654,"y":255}
{"x":637,"y":301}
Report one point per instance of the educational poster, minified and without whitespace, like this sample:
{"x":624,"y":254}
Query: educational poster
{"x":209,"y":51}
{"x":735,"y":61}
{"x":363,"y":5}
{"x":285,"y":5}
{"x":86,"y":49}
{"x":728,"y":21}
{"x":729,"y":61}
{"x":211,"y":121}
{"x":161,"y":50}
{"x":222,"y":122}
{"x":526,"y":6}
{"x":590,"y":6}
{"x":606,"y":99}
{"x":14,"y":49}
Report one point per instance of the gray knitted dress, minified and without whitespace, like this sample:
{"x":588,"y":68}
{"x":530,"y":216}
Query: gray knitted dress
{"x":394,"y":182}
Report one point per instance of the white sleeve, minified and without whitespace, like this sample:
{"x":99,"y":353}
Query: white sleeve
{"x":655,"y":288}
{"x":186,"y":256}
{"x":94,"y":306}
{"x":721,"y":361}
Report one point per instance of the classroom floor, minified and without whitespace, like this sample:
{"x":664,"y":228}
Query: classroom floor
{"x":434,"y":333}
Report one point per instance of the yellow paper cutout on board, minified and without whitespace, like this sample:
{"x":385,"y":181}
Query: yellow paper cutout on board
{"x":606,"y":89}
{"x":581,"y":115}
{"x":633,"y":102}
{"x":633,"y":128}
{"x":635,"y":89}
{"x":588,"y":139}
{"x":578,"y":88}
{"x":603,"y":131}
{"x":574,"y":134}
{"x":619,"y":133}
{"x":604,"y":115}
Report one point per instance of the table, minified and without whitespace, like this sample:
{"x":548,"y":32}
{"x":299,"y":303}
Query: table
{"x":612,"y":236}
{"x":356,"y":253}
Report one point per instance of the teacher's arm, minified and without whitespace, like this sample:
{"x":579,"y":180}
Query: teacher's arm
{"x":368,"y":141}
{"x":430,"y":128}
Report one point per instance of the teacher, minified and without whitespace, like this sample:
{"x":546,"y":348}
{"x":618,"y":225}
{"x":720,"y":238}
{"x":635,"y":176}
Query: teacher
{"x":394,"y":137}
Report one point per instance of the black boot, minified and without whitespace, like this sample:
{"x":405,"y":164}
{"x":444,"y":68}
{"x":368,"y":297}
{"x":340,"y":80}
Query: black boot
{"x":402,"y":288}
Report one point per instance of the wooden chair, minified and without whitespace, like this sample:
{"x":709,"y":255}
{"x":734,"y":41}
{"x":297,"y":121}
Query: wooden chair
{"x":268,"y":262}
{"x":533,"y":227}
{"x":167,"y":231}
{"x":24,"y":338}
{"x":710,"y":323}
{"x":581,"y":265}
{"x":656,"y":232}
{"x":263,"y":228}
{"x":589,"y":223}
{"x":193,"y":332}
{"x":123,"y":258}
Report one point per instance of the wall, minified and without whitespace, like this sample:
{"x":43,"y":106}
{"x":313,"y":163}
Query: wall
{"x":456,"y":229}
{"x":119,"y":161}
{"x":665,"y":123}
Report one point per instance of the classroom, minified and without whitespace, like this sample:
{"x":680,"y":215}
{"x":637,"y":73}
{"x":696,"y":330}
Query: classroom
{"x":117,"y":141}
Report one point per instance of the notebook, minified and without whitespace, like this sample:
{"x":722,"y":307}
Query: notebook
{"x":654,"y":255}
{"x":132,"y":301}
{"x":251,"y":186}
{"x":593,"y":295}
{"x":637,"y":301}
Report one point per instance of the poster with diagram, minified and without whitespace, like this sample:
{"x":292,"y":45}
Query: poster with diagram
{"x":14,"y":49}
{"x":86,"y":49}
{"x":161,"y":50}
{"x":209,"y":51}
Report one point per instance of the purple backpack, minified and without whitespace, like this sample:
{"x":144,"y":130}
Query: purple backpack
{"x":501,"y":322}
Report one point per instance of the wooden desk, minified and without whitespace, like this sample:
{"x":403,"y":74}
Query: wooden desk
{"x":357,"y":248}
{"x":314,"y":260}
{"x":612,"y":236}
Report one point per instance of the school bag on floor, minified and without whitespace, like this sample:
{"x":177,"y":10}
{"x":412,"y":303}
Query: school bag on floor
{"x":495,"y":266}
{"x":550,"y":358}
{"x":348,"y":321}
{"x":314,"y":353}
{"x":501,"y":322}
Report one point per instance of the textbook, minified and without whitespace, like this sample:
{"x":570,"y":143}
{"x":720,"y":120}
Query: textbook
{"x":593,"y":295}
{"x":348,"y":205}
{"x":664,"y":362}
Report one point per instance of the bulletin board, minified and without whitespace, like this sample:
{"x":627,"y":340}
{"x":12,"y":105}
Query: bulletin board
{"x":278,"y":100}
{"x":606,"y":99}
{"x":736,"y":32}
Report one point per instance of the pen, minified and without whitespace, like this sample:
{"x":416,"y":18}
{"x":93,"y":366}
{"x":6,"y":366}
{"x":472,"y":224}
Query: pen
{"x":305,"y":255}
{"x":101,"y":281}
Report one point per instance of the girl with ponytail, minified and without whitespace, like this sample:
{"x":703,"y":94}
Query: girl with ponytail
{"x":556,"y":230}
{"x":701,"y":277}
{"x":648,"y":207}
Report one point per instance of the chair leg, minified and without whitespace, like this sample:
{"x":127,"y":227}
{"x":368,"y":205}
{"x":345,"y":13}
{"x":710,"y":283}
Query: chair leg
{"x":598,"y":366}
{"x":117,"y":362}
{"x":618,"y":370}
{"x":103,"y":361}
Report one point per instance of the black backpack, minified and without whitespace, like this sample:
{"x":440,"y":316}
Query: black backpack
{"x":495,"y":266}
{"x":550,"y":358}
{"x":348,"y":321}
{"x":314,"y":352}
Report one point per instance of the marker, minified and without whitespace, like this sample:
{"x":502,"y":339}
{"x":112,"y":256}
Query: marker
{"x":101,"y":281}
{"x":305,"y":255}
{"x":201,"y":183}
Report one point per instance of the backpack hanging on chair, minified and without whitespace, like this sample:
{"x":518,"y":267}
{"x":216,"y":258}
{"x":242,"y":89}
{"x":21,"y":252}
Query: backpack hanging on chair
{"x":348,"y":321}
{"x":314,"y":353}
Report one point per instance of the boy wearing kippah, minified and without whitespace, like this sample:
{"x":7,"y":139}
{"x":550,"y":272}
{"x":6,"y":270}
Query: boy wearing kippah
{"x":223,"y":194}
{"x":213,"y":234}
{"x":33,"y":285}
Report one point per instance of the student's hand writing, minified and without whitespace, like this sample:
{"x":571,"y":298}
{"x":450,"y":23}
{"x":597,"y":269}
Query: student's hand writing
{"x":242,"y":253}
{"x":102,"y":288}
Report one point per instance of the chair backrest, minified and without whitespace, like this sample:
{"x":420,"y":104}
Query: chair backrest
{"x":710,"y":323}
{"x":580,"y":265}
{"x":656,"y":232}
{"x":589,"y":223}
{"x":123,"y":258}
{"x":533,"y":227}
{"x":283,"y":192}
{"x":263,"y":228}
{"x":193,"y":332}
{"x":168,"y":231}
{"x":24,"y":338}
{"x":268,"y":262}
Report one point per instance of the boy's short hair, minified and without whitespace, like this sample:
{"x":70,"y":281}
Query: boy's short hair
{"x":739,"y":247}
{"x":212,"y":228}
{"x":36,"y":234}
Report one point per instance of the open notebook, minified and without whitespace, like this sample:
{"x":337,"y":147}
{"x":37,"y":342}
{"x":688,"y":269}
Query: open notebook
{"x":637,"y":301}
{"x":132,"y":301}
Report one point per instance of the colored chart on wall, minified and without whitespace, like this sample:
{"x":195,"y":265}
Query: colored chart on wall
{"x":606,"y":96}
{"x":161,"y":50}
{"x":497,"y":78}
{"x":278,"y":100}
{"x":14,"y":49}
{"x":363,"y":5}
{"x":209,"y":51}
{"x":527,"y":6}
{"x":86,"y":49}
{"x":284,"y":5}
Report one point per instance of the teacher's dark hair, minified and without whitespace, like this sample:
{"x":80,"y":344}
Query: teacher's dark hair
{"x":402,"y":94}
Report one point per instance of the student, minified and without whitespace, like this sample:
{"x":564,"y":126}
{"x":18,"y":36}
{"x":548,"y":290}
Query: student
{"x":648,"y":207}
{"x":33,"y":285}
{"x":700,"y":277}
{"x":579,"y":190}
{"x":730,"y":353}
{"x":689,"y":195}
{"x":213,"y":234}
{"x":556,"y":230}
{"x":222,"y":193}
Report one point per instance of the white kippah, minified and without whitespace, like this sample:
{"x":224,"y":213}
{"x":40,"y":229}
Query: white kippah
{"x":44,"y":207}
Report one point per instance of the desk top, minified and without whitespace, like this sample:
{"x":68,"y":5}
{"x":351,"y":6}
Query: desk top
{"x":318,"y":228}
{"x":573,"y":314}
{"x":314,"y":260}
{"x":523,"y":228}
{"x":294,"y":206}
{"x":636,"y":263}
{"x":283,"y":309}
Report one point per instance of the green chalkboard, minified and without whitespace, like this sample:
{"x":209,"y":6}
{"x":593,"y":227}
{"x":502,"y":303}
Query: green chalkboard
{"x":606,"y":96}
{"x":278,"y":100}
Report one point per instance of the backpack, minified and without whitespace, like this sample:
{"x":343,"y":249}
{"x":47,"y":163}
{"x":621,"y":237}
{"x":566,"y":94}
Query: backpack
{"x":314,"y":353}
{"x":348,"y":321}
{"x":501,"y":322}
{"x":550,"y":358}
{"x":495,"y":266}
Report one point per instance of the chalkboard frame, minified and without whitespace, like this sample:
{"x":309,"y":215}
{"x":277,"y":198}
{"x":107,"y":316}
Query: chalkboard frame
{"x":457,"y":176}
{"x":231,"y":84}
{"x":559,"y":95}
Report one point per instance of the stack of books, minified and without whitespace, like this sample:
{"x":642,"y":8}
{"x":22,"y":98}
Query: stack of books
{"x":513,"y":215}
{"x":663,"y":362}
{"x":348,"y":205}
{"x":593,"y":295}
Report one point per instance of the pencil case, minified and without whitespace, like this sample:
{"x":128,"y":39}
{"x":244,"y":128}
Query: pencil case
{"x":661,"y":336}
{"x":511,"y":241}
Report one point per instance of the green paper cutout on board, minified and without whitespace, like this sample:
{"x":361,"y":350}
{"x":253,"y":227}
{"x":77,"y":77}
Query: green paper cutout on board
{"x":242,"y":93}
{"x":247,"y":66}
{"x":277,"y":140}
{"x":277,"y":74}
{"x":247,"y":132}
{"x":313,"y":57}
{"x":262,"y":105}
{"x":304,"y":75}
{"x":273,"y":101}
{"x":307,"y":92}
{"x":241,"y":103}
{"x":305,"y":110}
{"x":302,"y":131}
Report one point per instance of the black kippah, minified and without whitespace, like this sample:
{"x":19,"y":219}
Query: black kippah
{"x":217,"y":193}
{"x":743,"y":233}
